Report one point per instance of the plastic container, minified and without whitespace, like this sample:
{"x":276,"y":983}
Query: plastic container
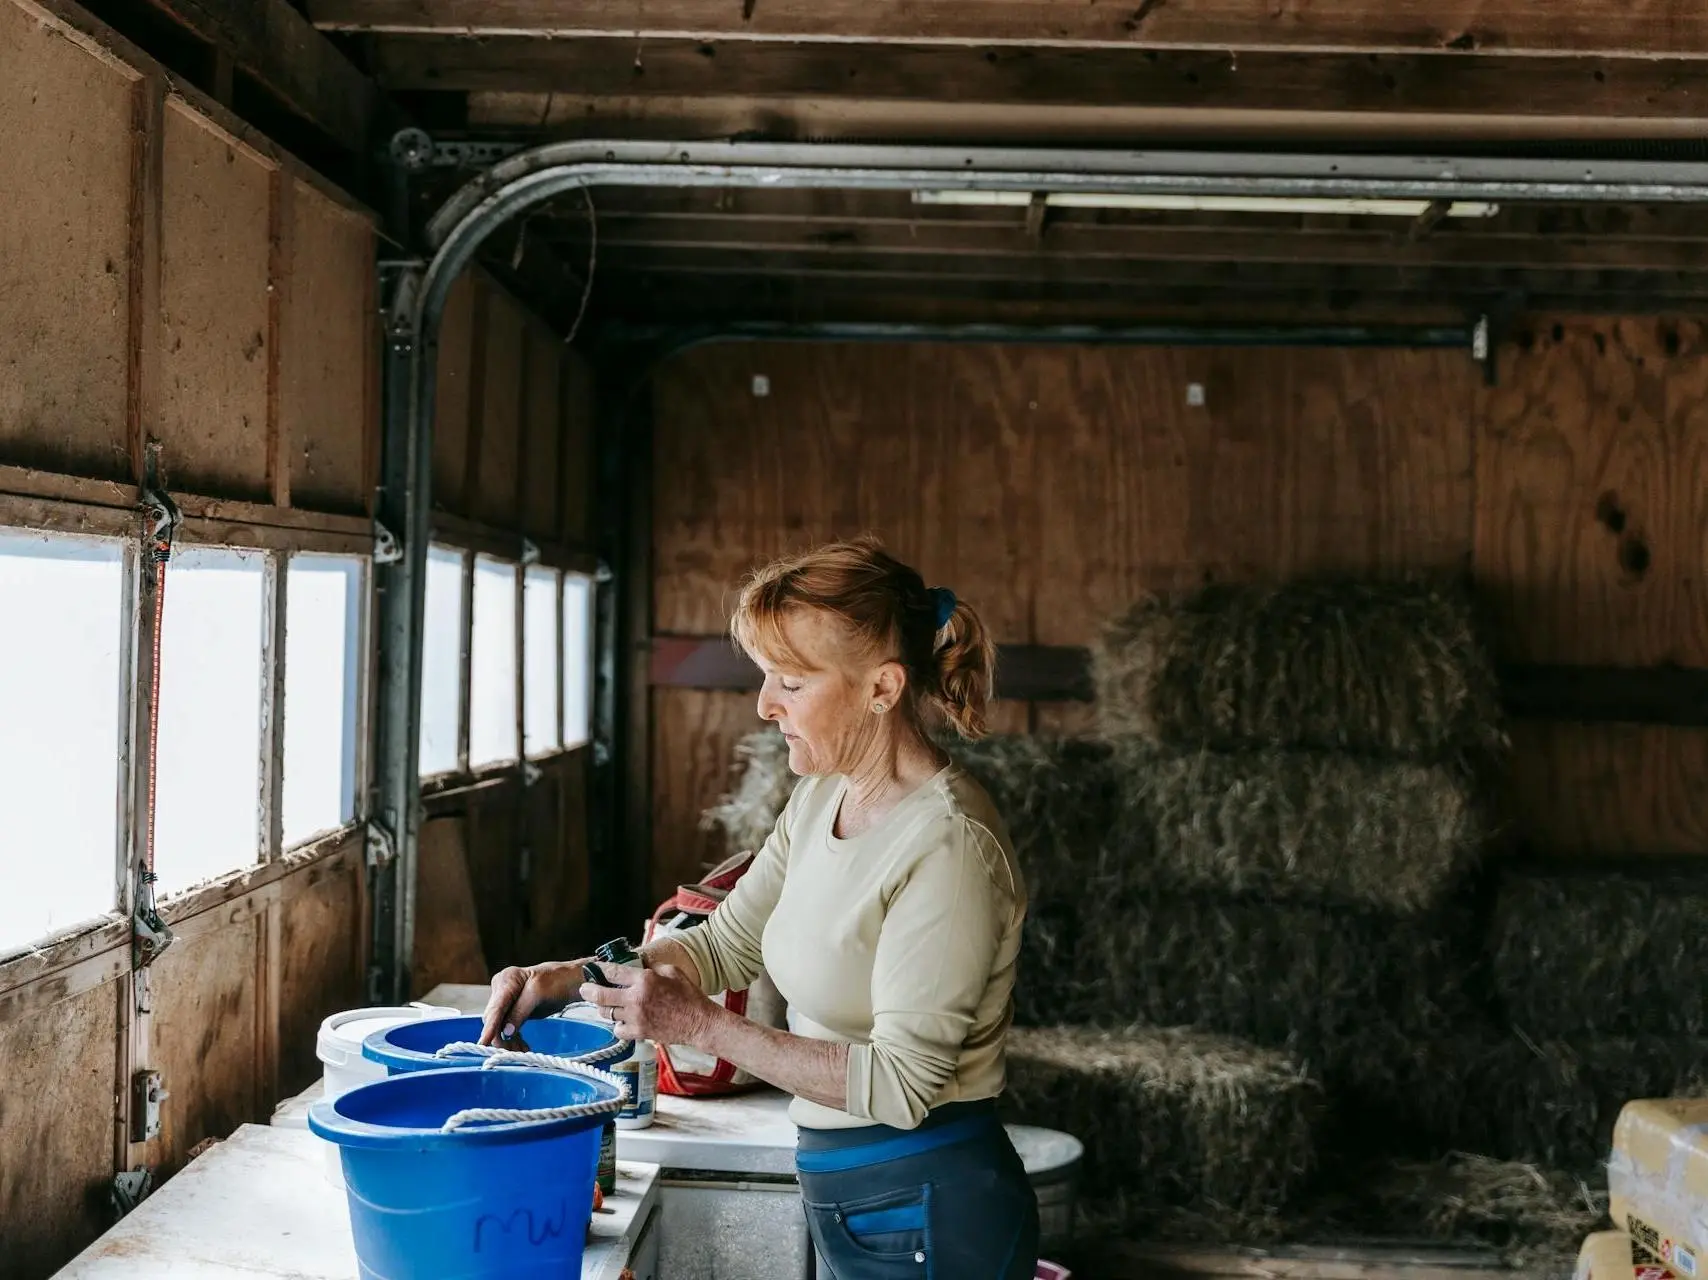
{"x":1052,"y":1161}
{"x":487,"y":1202}
{"x":638,"y":1069}
{"x":414,"y":1046}
{"x":339,"y":1048}
{"x":339,"y":1043}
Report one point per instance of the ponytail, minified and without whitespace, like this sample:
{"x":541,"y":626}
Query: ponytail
{"x":966,"y":665}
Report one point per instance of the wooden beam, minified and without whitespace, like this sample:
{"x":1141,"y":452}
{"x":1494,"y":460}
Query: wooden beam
{"x":271,"y":42}
{"x":652,"y":117}
{"x":1044,"y":271}
{"x":1059,"y":673}
{"x":1651,"y":27}
{"x":1650,"y":95}
{"x":1452,"y":245}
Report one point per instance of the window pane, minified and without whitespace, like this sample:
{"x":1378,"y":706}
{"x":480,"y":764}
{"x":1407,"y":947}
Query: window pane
{"x":323,"y":615}
{"x":442,"y":661}
{"x":208,"y":818}
{"x":492,"y":664}
{"x":62,"y":687}
{"x":577,"y":659}
{"x":539,"y":653}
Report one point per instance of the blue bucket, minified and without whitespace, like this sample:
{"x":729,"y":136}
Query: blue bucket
{"x":484,"y":1202}
{"x":412,"y":1046}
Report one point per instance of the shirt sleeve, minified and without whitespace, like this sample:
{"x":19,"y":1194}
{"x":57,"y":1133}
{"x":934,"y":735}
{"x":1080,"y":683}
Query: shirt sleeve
{"x":936,"y":952}
{"x":726,"y":949}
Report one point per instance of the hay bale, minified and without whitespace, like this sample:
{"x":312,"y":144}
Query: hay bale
{"x":1600,"y":954}
{"x":1299,"y":825}
{"x":1536,"y":1217}
{"x":1395,"y":668}
{"x":1297,"y":976}
{"x":748,"y":813}
{"x":1171,"y":1118}
{"x":1501,"y":1093}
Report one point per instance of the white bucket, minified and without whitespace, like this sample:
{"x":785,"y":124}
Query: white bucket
{"x":339,"y":1048}
{"x":1052,"y":1161}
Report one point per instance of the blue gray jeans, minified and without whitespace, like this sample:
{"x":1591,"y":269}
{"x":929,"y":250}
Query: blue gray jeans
{"x":949,"y":1200}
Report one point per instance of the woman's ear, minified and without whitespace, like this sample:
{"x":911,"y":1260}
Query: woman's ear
{"x":887,"y":685}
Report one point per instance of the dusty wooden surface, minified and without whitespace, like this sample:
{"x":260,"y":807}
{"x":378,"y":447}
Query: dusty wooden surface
{"x":495,"y":454}
{"x":206,"y":1029}
{"x":214,"y":304}
{"x":57,"y":1113}
{"x":322,"y":963}
{"x":326,"y":343}
{"x":65,"y":251}
{"x":453,"y":396}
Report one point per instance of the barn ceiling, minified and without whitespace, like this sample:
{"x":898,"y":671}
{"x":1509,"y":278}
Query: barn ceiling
{"x":1602,"y":78}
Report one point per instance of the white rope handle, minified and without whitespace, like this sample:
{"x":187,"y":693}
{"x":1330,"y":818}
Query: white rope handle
{"x":468,"y":1049}
{"x":536,"y":1115}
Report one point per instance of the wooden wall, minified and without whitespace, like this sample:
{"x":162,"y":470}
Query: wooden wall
{"x":1049,"y":486}
{"x":169,"y":276}
{"x":513,"y":449}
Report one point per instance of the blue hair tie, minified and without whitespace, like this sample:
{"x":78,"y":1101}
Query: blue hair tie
{"x":945,"y":601}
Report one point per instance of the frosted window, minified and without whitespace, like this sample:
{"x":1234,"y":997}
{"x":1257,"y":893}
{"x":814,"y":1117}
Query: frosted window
{"x":442,"y":661}
{"x":492,"y":664}
{"x":323,"y":613}
{"x":577,"y":659}
{"x":208,"y":818}
{"x":540,"y":659}
{"x":62,"y":687}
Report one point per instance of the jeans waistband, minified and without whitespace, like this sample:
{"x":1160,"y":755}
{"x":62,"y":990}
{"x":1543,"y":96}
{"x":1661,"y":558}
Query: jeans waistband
{"x":836,"y":1150}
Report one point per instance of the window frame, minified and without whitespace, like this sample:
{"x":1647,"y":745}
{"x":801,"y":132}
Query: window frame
{"x":90,"y":953}
{"x":472,"y":541}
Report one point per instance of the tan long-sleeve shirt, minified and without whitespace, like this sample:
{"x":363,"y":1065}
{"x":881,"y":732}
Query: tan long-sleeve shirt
{"x":900,"y":942}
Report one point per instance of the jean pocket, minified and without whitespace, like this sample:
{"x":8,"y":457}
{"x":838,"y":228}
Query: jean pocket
{"x":875,"y":1237}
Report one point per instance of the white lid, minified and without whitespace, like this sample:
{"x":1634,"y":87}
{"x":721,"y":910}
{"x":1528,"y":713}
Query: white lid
{"x":1044,"y":1150}
{"x":341,"y":1034}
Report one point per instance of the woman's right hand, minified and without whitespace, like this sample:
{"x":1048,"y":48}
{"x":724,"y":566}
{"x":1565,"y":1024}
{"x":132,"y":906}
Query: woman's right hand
{"x":521,"y":993}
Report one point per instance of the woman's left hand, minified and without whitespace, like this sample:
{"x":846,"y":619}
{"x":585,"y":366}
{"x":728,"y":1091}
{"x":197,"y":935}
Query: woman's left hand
{"x":652,"y":1004}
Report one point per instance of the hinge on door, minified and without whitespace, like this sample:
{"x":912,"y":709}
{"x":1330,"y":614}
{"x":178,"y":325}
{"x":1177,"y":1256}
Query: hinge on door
{"x":381,"y":846}
{"x":387,"y":549}
{"x":131,"y":1189}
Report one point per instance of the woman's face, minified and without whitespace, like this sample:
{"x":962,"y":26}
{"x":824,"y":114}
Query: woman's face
{"x":823,"y":710}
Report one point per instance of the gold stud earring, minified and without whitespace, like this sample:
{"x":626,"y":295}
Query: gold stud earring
{"x":878,"y":708}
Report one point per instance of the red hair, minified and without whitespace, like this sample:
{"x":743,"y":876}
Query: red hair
{"x":886,"y":612}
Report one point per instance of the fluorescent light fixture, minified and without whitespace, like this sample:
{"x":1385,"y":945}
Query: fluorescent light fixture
{"x":1208,"y":204}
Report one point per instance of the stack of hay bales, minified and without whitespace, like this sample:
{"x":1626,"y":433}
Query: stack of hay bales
{"x":1309,"y":761}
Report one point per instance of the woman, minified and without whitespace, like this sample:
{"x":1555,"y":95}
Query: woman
{"x":886,"y":905}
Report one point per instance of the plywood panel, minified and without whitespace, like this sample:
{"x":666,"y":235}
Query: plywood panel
{"x":65,"y":253}
{"x":694,"y":737}
{"x":1591,"y":506}
{"x":500,"y":443}
{"x":206,"y":1036}
{"x":327,"y":331}
{"x":926,"y":447}
{"x":320,"y":944}
{"x":447,"y":935}
{"x":541,"y":436}
{"x":577,"y":450}
{"x":215,"y":249}
{"x":492,"y":833}
{"x":56,"y":1111}
{"x":1608,"y":790}
{"x":1295,"y":462}
{"x":456,"y":379}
